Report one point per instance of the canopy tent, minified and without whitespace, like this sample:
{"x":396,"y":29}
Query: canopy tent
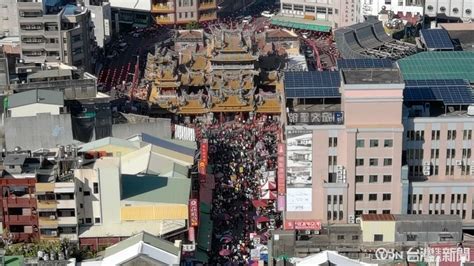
{"x":259,"y":203}
{"x":262,"y":219}
{"x":269,"y":186}
{"x":299,"y":23}
{"x":268,"y":194}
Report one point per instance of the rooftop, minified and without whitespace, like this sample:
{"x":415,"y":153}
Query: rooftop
{"x":189,"y":35}
{"x":35,"y":96}
{"x":418,"y":217}
{"x":457,"y":26}
{"x":15,"y":159}
{"x":102,"y":143}
{"x":129,"y":228}
{"x":145,"y":238}
{"x":156,"y":189}
{"x":372,"y":76}
{"x":438,"y":65}
{"x":378,"y":217}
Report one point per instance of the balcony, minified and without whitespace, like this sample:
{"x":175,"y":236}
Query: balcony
{"x":66,"y":204}
{"x":162,"y":8}
{"x":46,"y":222}
{"x":51,"y":33}
{"x":207,"y":17}
{"x":47,"y":205}
{"x":164,"y":20}
{"x":32,"y":32}
{"x":207,"y":5}
{"x":19,"y":202}
{"x":17,"y":237}
{"x":32,"y":45}
{"x":72,"y":237}
{"x":52,"y":46}
{"x":72,"y":220}
{"x":19,"y":219}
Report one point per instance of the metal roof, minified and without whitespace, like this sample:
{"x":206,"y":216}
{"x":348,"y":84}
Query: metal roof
{"x":146,"y":238}
{"x":438,"y":65}
{"x":156,"y":189}
{"x":15,"y":159}
{"x":378,"y":217}
{"x":35,"y":96}
{"x":436,"y":39}
{"x":168,"y":144}
{"x":312,"y":84}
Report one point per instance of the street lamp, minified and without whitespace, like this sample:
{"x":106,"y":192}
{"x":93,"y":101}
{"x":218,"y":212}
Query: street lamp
{"x":2,"y":256}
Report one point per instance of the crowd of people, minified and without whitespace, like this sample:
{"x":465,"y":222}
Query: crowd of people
{"x":241,"y":154}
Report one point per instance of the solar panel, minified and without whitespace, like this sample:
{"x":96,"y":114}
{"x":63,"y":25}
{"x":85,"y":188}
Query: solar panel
{"x":312,"y":84}
{"x":437,"y":39}
{"x":449,"y":95}
{"x":436,"y":82}
{"x":364,"y":63}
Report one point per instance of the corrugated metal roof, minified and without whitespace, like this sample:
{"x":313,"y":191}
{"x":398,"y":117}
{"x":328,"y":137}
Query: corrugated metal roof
{"x":35,"y":96}
{"x":438,"y":65}
{"x":146,"y":238}
{"x":168,"y":144}
{"x":378,"y":217}
{"x":153,"y":213}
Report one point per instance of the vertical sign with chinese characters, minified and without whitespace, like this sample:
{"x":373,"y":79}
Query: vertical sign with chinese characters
{"x":202,"y":165}
{"x":193,"y":212}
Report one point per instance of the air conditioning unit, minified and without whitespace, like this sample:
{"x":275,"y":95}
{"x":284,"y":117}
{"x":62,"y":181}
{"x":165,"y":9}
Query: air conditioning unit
{"x":316,"y":232}
{"x":52,"y":217}
{"x":426,"y":167}
{"x":351,"y":219}
{"x":339,"y":168}
{"x":358,"y":220}
{"x":472,"y":170}
{"x":458,"y":162}
{"x":426,"y":173}
{"x":426,"y":163}
{"x":54,"y":233}
{"x":308,"y":232}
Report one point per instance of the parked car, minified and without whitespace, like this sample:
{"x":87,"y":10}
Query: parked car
{"x":267,"y":14}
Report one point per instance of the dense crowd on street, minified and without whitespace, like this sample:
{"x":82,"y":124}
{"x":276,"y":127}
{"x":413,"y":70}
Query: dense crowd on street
{"x":240,"y":153}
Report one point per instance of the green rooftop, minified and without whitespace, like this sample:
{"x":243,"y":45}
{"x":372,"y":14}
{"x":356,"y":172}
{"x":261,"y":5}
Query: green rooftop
{"x":438,"y":65}
{"x":204,"y":231}
{"x":157,"y":189}
{"x":300,"y":23}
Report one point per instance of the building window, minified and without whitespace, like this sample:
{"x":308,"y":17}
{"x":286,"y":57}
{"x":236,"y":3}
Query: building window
{"x":358,"y":213}
{"x":340,"y":237}
{"x":298,"y":7}
{"x":321,"y":10}
{"x":374,"y":143}
{"x":81,"y":205}
{"x":360,"y":143}
{"x":387,"y":162}
{"x":332,"y":160}
{"x":333,"y":142}
{"x":96,"y":187}
{"x":329,"y":199}
{"x":287,"y":6}
{"x":359,"y":178}
{"x":372,"y":178}
{"x":337,"y":11}
{"x":435,"y":134}
{"x":455,"y":10}
{"x":449,"y":170}
{"x":359,"y":162}
{"x":180,"y":15}
{"x":355,"y":237}
{"x":468,"y":11}
{"x":451,"y":134}
{"x":97,"y":220}
{"x":80,"y":189}
{"x":359,"y":197}
{"x":387,"y":178}
{"x":341,"y":215}
{"x":330,"y":11}
{"x":388,"y":143}
{"x":340,"y":199}
{"x":185,"y":14}
{"x":450,"y":153}
{"x":385,"y":211}
{"x":372,"y":211}
{"x":310,"y":9}
{"x":467,"y":134}
{"x":87,"y":193}
{"x":378,"y":238}
{"x":430,"y":8}
{"x":329,"y":215}
{"x":442,"y":9}
{"x":411,"y":237}
{"x":434,"y":153}
{"x":372,"y":197}
{"x":387,"y":196}
{"x":388,"y":2}
{"x":88,"y":220}
{"x":373,"y":162}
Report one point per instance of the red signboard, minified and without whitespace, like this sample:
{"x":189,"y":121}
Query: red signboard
{"x":204,"y":151}
{"x":302,"y":225}
{"x":281,"y":169}
{"x":193,"y":212}
{"x":191,"y":234}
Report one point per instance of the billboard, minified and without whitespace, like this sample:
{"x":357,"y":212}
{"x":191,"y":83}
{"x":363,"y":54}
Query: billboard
{"x":299,"y":158}
{"x":302,"y":225}
{"x":193,"y":212}
{"x":299,"y":199}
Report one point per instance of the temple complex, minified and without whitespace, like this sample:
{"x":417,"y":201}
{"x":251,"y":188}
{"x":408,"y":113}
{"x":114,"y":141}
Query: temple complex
{"x":225,"y":70}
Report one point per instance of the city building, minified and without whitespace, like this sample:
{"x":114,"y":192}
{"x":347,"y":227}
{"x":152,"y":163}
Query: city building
{"x":4,"y":72}
{"x":409,"y":230}
{"x":33,"y":102}
{"x":449,"y":8}
{"x":101,"y":16}
{"x":461,"y":32}
{"x":321,"y":16}
{"x":208,"y":74}
{"x":9,"y":25}
{"x":401,"y":8}
{"x":413,"y":156}
{"x":55,"y":32}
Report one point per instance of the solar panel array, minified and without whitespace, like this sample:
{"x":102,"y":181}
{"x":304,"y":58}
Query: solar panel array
{"x":364,"y":63}
{"x":450,"y":92}
{"x":312,"y":84}
{"x":437,"y":39}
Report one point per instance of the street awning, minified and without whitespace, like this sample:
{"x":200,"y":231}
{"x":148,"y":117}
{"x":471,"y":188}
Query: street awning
{"x":259,"y":203}
{"x":300,"y":23}
{"x":205,"y":231}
